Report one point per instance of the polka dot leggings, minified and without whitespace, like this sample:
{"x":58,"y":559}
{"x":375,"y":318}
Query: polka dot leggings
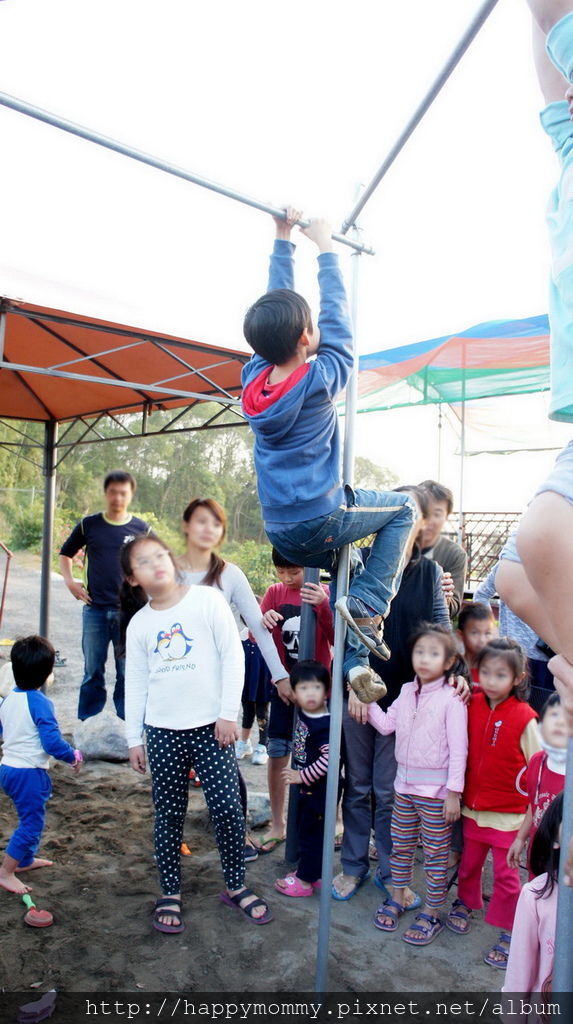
{"x":171,"y":753}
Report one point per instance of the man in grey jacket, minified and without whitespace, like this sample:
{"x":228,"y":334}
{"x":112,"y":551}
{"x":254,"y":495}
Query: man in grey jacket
{"x":447,"y":553}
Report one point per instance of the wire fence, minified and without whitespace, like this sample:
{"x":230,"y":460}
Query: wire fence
{"x":483,"y":536}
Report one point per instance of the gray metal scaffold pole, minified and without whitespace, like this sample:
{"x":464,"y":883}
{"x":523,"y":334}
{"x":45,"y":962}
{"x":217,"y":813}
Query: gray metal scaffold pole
{"x":344,"y":564}
{"x":323,"y":942}
{"x":563,"y":963}
{"x":469,"y":35}
{"x":13,"y":103}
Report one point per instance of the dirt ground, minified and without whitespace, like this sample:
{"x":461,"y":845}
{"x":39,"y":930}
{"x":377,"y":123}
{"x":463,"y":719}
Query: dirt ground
{"x":103,"y":883}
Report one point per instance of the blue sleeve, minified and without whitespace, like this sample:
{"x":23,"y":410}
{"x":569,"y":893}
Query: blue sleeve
{"x":74,"y":542}
{"x":441,"y":613}
{"x":281,"y":268}
{"x":486,"y":590}
{"x":281,"y":275}
{"x":42,"y":711}
{"x":335,"y":357}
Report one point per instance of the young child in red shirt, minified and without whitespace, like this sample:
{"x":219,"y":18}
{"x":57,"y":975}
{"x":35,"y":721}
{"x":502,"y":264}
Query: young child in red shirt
{"x":476,"y":627}
{"x":503,"y":738}
{"x":545,"y":777}
{"x":281,"y":611}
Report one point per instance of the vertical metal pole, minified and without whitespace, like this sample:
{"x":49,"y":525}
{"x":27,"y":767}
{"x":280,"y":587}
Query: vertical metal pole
{"x":50,"y":441}
{"x":469,"y":35}
{"x":463,"y":447}
{"x":323,"y":941}
{"x":563,"y":963}
{"x":306,"y":650}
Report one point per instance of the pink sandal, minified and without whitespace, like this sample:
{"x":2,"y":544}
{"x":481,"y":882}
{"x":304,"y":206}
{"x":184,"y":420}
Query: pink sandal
{"x":292,"y":886}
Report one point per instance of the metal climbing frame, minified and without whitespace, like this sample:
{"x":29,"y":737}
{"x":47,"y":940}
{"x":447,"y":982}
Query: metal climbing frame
{"x":152,"y":161}
{"x":563,"y":973}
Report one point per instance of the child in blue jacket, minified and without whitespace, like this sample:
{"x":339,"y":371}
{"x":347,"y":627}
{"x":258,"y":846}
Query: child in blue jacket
{"x":289,"y":402}
{"x":31,"y":734}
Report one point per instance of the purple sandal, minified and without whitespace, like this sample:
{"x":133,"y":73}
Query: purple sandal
{"x":427,"y":934}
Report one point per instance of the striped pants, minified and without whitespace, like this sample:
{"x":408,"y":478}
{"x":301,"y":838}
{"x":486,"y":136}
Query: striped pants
{"x":412,"y":816}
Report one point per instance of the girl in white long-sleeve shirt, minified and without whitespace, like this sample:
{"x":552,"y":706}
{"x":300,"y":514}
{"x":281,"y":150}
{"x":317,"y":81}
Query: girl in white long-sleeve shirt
{"x":205,"y":526}
{"x":184,"y":676}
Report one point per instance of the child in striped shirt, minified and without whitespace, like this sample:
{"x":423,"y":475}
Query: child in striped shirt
{"x":430,"y":723}
{"x":310,"y":681}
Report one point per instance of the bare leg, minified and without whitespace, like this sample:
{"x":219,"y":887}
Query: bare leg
{"x":515,"y":589}
{"x":277,"y":794}
{"x":552,"y":83}
{"x":8,"y":879}
{"x":545,"y":545}
{"x":547,"y":12}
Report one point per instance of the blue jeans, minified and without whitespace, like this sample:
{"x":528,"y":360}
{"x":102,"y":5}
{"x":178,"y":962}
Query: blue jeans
{"x":100,"y":627}
{"x":390,"y":515}
{"x":370,"y":770}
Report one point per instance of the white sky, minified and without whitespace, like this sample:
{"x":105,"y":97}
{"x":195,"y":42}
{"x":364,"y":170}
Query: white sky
{"x":284,"y":101}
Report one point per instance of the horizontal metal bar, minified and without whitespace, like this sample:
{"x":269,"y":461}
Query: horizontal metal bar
{"x":161,"y":165}
{"x":111,"y":382}
{"x":469,"y":35}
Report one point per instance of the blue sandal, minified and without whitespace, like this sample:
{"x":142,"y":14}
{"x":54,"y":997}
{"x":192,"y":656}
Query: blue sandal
{"x":498,"y":948}
{"x":427,"y":934}
{"x":389,"y":909}
{"x":459,"y":912}
{"x":360,"y":879}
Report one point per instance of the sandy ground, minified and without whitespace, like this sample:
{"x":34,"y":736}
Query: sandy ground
{"x":103,"y":883}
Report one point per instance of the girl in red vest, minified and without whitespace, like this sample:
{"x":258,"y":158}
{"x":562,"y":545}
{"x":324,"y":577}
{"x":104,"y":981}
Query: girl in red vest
{"x":503,"y":738}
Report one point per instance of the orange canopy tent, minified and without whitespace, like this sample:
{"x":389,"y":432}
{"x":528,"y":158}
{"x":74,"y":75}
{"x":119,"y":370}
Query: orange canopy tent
{"x":59,"y":367}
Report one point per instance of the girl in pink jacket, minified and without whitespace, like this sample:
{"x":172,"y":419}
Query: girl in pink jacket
{"x":531,"y":954}
{"x":430,"y":723}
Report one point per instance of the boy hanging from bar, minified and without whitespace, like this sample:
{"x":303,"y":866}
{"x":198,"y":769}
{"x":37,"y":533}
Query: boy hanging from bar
{"x":535,"y":576}
{"x":289,"y":401}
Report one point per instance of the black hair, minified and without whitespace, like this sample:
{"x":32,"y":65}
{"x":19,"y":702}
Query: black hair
{"x":439,"y":493}
{"x":549,"y":703}
{"x":132,"y":598}
{"x":213,"y":575}
{"x":120,"y":476}
{"x":32,"y":660}
{"x":304,"y":671}
{"x":418,"y":493}
{"x":474,"y":610}
{"x":514,"y":656}
{"x":545,"y":847}
{"x":274,"y":324}
{"x":280,"y":562}
{"x":447,"y":640}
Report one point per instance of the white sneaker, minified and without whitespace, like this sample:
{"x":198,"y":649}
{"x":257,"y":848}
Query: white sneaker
{"x":242,"y":749}
{"x":260,"y":755}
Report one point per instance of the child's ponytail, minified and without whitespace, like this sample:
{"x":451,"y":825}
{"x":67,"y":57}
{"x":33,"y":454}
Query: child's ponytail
{"x":545,"y":848}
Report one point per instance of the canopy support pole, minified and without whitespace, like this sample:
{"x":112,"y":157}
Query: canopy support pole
{"x":337,"y":689}
{"x":454,"y":59}
{"x":50,"y":442}
{"x":152,"y":161}
{"x":306,"y":652}
{"x":563,"y":963}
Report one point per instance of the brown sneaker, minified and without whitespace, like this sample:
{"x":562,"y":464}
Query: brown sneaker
{"x":367,"y":686}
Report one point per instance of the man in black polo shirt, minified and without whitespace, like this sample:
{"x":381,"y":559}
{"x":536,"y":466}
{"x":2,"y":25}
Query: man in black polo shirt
{"x":102,"y":535}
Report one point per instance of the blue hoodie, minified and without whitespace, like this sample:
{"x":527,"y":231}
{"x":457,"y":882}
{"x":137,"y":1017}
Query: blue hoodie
{"x":297,"y":443}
